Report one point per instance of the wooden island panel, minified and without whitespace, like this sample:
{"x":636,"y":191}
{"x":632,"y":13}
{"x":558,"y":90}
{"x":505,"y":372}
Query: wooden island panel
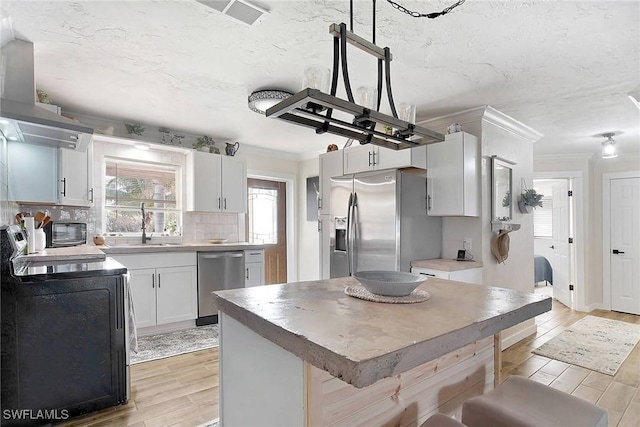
{"x":441,"y":385}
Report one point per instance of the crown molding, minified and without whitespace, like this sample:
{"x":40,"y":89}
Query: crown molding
{"x":562,"y":157}
{"x":510,"y":124}
{"x":484,"y":113}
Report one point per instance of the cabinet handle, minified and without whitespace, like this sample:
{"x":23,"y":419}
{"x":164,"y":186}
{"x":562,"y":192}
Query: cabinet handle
{"x":319,"y":225}
{"x":225,"y":203}
{"x":158,"y":280}
{"x":428,"y":203}
{"x":369,"y":158}
{"x":91,"y":198}
{"x":254,"y":253}
{"x":153,"y":281}
{"x":427,"y":274}
{"x":64,"y":187}
{"x":319,"y":203}
{"x":374,"y":158}
{"x":218,"y":202}
{"x":247,"y":274}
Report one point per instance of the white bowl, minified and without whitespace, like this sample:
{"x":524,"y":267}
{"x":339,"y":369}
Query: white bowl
{"x":389,"y":283}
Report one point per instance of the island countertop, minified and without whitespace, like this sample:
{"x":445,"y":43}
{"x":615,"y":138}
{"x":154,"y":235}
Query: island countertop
{"x":362,"y":342}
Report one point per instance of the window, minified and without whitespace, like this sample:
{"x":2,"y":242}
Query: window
{"x":543,"y":218}
{"x":130,"y":183}
{"x":263,"y":227}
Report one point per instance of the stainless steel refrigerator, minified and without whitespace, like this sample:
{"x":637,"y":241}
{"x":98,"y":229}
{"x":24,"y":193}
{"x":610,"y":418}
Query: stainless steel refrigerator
{"x":379,"y":222}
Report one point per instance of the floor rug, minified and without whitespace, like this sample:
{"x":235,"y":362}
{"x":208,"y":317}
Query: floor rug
{"x":159,"y":346}
{"x":593,"y":343}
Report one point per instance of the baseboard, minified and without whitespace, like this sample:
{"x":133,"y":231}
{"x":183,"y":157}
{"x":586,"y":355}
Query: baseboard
{"x":169,"y":327}
{"x":518,"y":336}
{"x":596,"y":306}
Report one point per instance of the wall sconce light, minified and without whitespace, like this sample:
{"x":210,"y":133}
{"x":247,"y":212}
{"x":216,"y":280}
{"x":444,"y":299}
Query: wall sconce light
{"x":609,"y":146}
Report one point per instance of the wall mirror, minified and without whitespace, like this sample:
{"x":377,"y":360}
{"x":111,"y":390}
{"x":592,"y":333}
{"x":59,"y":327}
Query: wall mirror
{"x":501,"y":189}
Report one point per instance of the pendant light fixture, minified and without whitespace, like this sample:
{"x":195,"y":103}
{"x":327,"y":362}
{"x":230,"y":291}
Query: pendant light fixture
{"x":609,"y":146}
{"x":315,"y":109}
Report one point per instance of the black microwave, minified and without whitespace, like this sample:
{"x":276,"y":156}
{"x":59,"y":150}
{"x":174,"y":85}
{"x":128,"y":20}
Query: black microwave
{"x":62,"y":234}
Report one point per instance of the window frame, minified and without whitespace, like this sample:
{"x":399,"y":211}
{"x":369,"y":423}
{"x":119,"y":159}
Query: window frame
{"x":149,"y":165}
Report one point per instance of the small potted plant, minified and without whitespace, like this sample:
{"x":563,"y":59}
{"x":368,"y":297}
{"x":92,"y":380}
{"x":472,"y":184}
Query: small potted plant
{"x":529,"y":199}
{"x":206,"y":143}
{"x":134,"y":129}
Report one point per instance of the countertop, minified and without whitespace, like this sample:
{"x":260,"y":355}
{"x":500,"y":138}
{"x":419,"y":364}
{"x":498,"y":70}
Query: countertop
{"x":362,"y":342}
{"x":71,"y":253}
{"x":182,"y":247}
{"x":443,"y":264}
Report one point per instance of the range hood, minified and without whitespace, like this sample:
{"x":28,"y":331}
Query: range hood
{"x":20,"y":118}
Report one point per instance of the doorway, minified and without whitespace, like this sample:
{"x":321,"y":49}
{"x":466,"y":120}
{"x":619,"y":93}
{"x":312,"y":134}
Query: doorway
{"x":553,"y":232}
{"x":621,"y":241}
{"x":566,"y":259}
{"x":267,"y":224}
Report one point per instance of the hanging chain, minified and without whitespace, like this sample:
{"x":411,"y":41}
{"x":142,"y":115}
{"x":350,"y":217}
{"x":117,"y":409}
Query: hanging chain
{"x":425,"y":15}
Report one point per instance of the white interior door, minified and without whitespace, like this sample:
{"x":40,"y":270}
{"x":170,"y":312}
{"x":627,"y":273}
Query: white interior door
{"x":561,"y":260}
{"x":625,"y":245}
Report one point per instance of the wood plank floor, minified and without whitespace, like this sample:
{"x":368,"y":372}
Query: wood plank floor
{"x":183,"y":390}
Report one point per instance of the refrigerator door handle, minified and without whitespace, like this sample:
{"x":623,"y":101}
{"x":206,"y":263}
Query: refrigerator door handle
{"x":354,"y":232}
{"x":348,"y":236}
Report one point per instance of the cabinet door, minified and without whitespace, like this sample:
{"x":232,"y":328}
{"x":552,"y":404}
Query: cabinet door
{"x":444,"y":173}
{"x":143,"y":291}
{"x":176,"y":299}
{"x":386,"y":158}
{"x":32,"y":173}
{"x":471,"y":275}
{"x":234,"y":185}
{"x":254,"y":274}
{"x":429,"y":272}
{"x":331,"y":165}
{"x":75,"y":177}
{"x":359,"y":158}
{"x":203,"y":182}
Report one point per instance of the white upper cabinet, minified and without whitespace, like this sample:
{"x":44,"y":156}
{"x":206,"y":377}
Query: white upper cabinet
{"x":453,"y":176}
{"x":363,"y":158}
{"x":44,"y":174}
{"x":216,"y":183}
{"x":75,"y":177}
{"x":331,"y":165}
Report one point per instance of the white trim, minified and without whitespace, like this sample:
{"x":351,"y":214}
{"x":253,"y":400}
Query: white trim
{"x":596,"y":306}
{"x":166,"y":328}
{"x":290,"y":180}
{"x":518,"y":336}
{"x":562,"y":157}
{"x":579,"y":203}
{"x":488,"y":114}
{"x":606,"y":231}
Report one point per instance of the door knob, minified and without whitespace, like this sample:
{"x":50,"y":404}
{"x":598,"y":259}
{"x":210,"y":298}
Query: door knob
{"x":615,"y":251}
{"x":552,"y":247}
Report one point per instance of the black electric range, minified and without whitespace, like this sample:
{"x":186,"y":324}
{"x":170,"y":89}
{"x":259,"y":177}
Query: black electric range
{"x":64,"y":335}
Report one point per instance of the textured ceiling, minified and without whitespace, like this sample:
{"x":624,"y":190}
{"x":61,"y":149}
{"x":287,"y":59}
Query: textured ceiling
{"x":563,"y":68}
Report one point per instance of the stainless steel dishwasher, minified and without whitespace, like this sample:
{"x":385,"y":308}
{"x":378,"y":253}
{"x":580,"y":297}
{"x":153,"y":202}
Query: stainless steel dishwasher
{"x":217,"y":271}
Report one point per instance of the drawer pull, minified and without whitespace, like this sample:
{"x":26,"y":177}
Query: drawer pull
{"x":428,"y":274}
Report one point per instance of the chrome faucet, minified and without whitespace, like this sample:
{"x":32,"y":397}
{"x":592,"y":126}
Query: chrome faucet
{"x":145,"y":239}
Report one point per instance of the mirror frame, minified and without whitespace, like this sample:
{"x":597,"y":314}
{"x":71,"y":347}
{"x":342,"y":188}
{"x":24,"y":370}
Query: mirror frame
{"x":495,"y":162}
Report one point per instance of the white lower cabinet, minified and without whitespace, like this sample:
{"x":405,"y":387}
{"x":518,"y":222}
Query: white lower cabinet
{"x":471,"y":275}
{"x":166,"y":294}
{"x":254,"y":268}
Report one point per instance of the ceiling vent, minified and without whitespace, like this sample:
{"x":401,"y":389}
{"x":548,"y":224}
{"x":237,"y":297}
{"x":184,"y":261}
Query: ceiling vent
{"x":239,"y":10}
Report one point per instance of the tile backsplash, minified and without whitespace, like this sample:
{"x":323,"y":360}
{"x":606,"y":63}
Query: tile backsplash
{"x":199,"y":227}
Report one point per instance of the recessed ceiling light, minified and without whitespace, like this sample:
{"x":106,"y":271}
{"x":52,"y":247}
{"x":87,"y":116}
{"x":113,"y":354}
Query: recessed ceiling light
{"x":261,"y":100}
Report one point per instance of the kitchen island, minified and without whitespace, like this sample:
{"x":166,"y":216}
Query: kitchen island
{"x":307,"y":354}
